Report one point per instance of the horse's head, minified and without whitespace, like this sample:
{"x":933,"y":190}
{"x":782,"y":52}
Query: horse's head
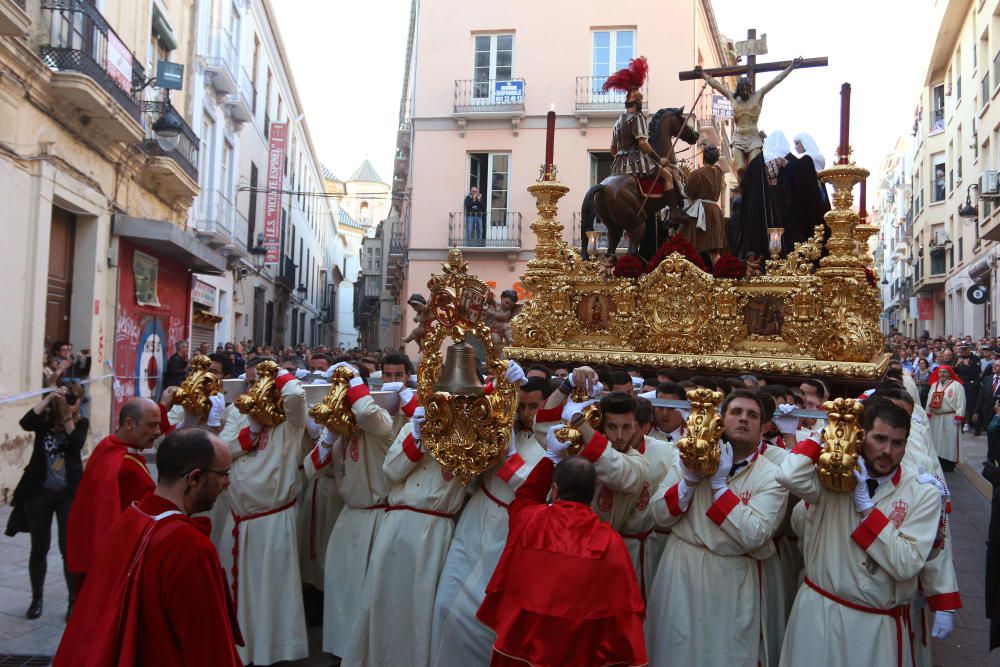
{"x":669,"y":123}
{"x":684,"y":129}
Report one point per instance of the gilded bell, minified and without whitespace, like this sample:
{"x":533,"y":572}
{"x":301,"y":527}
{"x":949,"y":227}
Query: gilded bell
{"x":458,"y":376}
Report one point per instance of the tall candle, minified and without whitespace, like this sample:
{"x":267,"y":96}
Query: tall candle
{"x":862,"y":213}
{"x":550,"y":137}
{"x":845,"y":123}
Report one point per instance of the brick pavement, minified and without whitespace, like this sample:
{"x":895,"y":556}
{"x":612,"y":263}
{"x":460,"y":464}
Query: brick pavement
{"x":967,"y":646}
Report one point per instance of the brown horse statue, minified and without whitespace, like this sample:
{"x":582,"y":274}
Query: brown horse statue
{"x":617,"y":202}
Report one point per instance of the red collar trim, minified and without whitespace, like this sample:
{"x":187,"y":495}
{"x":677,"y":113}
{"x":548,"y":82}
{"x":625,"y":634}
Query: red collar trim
{"x":896,"y":475}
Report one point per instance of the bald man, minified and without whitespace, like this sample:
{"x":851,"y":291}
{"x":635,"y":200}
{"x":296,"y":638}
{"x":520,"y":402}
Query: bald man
{"x":115,"y":476}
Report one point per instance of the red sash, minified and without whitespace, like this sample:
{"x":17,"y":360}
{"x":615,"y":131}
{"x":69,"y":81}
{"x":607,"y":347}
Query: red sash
{"x":237,"y":520}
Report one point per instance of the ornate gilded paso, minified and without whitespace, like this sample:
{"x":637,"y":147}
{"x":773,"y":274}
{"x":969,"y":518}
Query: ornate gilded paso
{"x":842,"y":439}
{"x":263,"y":402}
{"x":467,"y":431}
{"x":333,"y":411}
{"x":198,"y":386}
{"x":812,"y":313}
{"x":699,"y":448}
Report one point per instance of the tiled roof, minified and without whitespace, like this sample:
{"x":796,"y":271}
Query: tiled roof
{"x":327,"y":174}
{"x":366,"y":172}
{"x":345,"y":219}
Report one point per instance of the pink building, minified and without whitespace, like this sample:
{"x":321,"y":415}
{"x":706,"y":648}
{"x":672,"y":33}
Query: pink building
{"x":481,"y":79}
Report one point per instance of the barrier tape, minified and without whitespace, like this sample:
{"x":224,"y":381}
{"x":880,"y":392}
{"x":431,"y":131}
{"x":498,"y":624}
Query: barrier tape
{"x":41,"y":392}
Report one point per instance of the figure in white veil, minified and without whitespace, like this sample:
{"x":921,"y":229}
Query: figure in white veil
{"x":806,"y":145}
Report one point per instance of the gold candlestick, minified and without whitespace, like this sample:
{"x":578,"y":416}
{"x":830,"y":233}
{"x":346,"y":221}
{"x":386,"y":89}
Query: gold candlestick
{"x":844,"y":258}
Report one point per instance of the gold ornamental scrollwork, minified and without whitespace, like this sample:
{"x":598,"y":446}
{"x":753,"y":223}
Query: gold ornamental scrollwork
{"x":466,"y":433}
{"x":842,"y":440}
{"x":198,"y":386}
{"x":263,"y":401}
{"x":699,"y":448}
{"x":333,"y":411}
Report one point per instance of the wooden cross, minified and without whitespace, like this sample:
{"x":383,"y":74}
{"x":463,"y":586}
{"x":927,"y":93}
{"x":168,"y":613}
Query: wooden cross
{"x":751,"y":67}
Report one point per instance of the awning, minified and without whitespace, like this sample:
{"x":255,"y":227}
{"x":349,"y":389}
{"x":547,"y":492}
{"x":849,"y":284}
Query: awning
{"x":980,"y":268}
{"x":170,"y":242}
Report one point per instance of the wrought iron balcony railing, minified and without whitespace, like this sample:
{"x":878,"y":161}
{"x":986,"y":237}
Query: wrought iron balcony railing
{"x":590,"y":97}
{"x":489,"y":96}
{"x":493,"y":229}
{"x":186,"y":153}
{"x":79,"y":39}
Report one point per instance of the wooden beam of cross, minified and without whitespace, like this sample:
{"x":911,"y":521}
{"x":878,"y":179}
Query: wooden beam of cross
{"x":751,"y":67}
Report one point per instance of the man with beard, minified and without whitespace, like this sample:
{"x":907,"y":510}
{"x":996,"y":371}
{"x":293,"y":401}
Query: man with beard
{"x":705,"y":602}
{"x":156,"y":594}
{"x":863,"y":549}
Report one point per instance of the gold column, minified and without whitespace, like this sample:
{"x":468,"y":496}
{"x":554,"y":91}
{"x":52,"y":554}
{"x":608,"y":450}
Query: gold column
{"x":844,"y":258}
{"x":547,"y":262}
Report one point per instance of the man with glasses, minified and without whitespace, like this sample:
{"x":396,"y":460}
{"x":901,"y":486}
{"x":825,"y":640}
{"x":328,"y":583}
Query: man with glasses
{"x":176,"y":610}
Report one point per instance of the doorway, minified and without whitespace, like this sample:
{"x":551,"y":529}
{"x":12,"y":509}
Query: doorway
{"x":59,"y":291}
{"x":490,"y":173}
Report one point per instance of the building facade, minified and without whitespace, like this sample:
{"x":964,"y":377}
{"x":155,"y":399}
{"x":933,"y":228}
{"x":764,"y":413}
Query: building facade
{"x":956,"y":136}
{"x":892,"y":212}
{"x":473,"y":114}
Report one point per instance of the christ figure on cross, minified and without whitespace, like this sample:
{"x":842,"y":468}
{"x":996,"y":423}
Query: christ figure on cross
{"x":747,"y":142}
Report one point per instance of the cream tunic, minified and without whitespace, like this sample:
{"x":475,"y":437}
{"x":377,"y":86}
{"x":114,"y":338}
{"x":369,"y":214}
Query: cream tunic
{"x":946,"y":420}
{"x":355,"y":465}
{"x":871,"y":562}
{"x":394,"y":618}
{"x":705,"y":605}
{"x":458,"y":638}
{"x":265,"y":479}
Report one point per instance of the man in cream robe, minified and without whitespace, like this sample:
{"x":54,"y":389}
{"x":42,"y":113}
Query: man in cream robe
{"x":705,"y":605}
{"x":395,"y":614}
{"x":863,"y":550}
{"x":260,"y":549}
{"x":946,"y":410}
{"x":355,"y":464}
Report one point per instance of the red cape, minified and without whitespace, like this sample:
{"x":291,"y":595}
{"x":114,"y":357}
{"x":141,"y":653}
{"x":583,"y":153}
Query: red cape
{"x":564,"y":592}
{"x":155,"y":595}
{"x":98,"y":500}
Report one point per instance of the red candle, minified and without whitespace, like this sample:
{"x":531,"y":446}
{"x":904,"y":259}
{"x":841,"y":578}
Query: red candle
{"x":845,"y":123}
{"x":862,"y":213}
{"x":550,"y":137}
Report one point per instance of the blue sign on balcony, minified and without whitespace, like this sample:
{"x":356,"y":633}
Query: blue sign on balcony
{"x":508,"y":92}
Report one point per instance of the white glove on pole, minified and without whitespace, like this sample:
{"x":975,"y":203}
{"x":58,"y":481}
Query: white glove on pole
{"x":720,"y":478}
{"x":944,"y":624}
{"x":515,"y":374}
{"x":862,"y":501}
{"x":329,"y":439}
{"x":313,"y":429}
{"x":344,"y":364}
{"x":218,"y":403}
{"x":554,"y":447}
{"x":301,"y":373}
{"x":392,"y":386}
{"x":783,"y":421}
{"x":405,"y":396}
{"x":571,"y":409}
{"x":419,"y":417}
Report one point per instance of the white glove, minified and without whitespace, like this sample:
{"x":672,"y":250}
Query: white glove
{"x":571,"y":409}
{"x":638,"y":383}
{"x":720,"y":478}
{"x":218,"y":403}
{"x":344,"y":364}
{"x":392,"y":386}
{"x":413,"y":379}
{"x":781,"y":419}
{"x":282,"y":371}
{"x":243,"y":376}
{"x":419,"y":417}
{"x":862,"y":501}
{"x":944,"y":624}
{"x":255,"y":426}
{"x":554,"y":447}
{"x":329,"y":439}
{"x":925,"y":477}
{"x":313,"y":429}
{"x":515,"y":374}
{"x":301,"y":373}
{"x":512,"y":447}
{"x":651,"y":394}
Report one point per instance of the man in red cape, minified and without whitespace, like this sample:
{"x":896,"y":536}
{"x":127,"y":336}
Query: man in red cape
{"x":564,"y":593}
{"x":156,"y":594}
{"x":115,"y":476}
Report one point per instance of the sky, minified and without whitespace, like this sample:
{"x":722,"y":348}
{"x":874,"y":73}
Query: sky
{"x":347,"y":60}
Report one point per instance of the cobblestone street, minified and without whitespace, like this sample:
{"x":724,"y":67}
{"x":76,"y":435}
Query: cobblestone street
{"x":967,"y":646}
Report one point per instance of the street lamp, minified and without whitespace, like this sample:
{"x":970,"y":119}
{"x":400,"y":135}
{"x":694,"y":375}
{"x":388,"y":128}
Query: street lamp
{"x":258,"y":253}
{"x":301,"y":289}
{"x":167,"y":129}
{"x":967,"y":211}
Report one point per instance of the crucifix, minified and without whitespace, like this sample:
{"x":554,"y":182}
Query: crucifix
{"x":746,"y":100}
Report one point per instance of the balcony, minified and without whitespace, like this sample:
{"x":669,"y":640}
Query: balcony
{"x":241,"y":104}
{"x":237,"y":246}
{"x":503,"y":99}
{"x":502,"y":231}
{"x":576,"y":235}
{"x":591,"y":100}
{"x":14,"y":20}
{"x":221,"y":63}
{"x":171,"y":174}
{"x":285,"y":275}
{"x":938,"y":273}
{"x":213,"y":226}
{"x":93,"y":71}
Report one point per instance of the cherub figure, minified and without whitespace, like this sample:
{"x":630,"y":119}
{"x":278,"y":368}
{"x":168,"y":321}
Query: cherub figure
{"x":423,"y":319}
{"x":501,"y":315}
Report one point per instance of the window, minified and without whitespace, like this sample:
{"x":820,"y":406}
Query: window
{"x":492,"y":60}
{"x":612,"y":51}
{"x":960,"y":243}
{"x":958,"y":74}
{"x":600,"y":167}
{"x":252,"y":209}
{"x":490,"y":172}
{"x":937,"y":108}
{"x":225,"y":168}
{"x":937,"y":185}
{"x":253,"y":72}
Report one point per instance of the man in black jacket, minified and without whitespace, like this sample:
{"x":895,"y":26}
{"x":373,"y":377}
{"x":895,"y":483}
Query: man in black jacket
{"x":989,"y":394}
{"x":969,"y":371}
{"x":475,"y":207}
{"x":176,"y":366}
